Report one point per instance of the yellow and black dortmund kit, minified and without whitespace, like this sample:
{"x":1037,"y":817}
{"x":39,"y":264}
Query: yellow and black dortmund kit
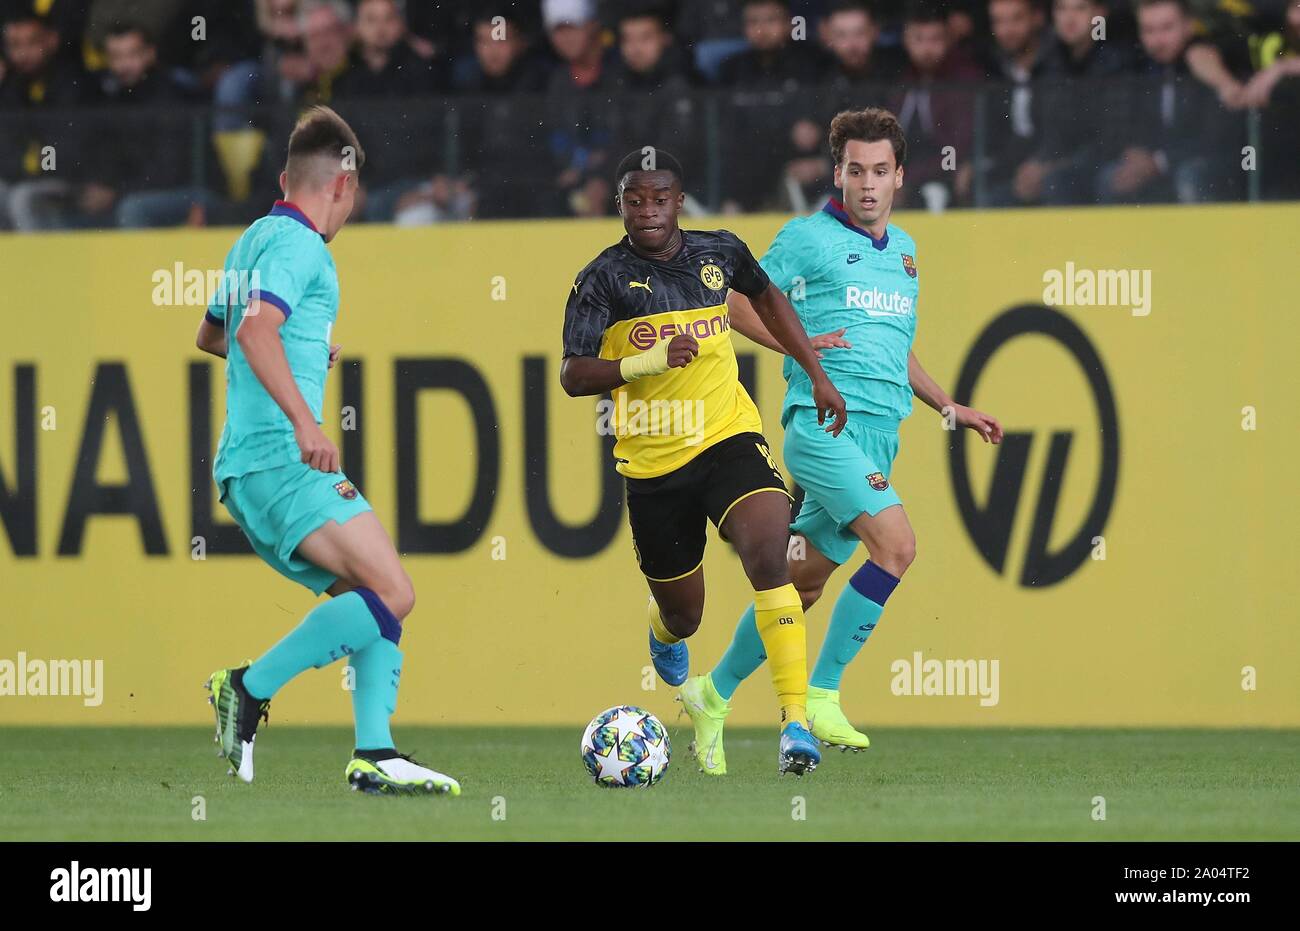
{"x":689,"y":442}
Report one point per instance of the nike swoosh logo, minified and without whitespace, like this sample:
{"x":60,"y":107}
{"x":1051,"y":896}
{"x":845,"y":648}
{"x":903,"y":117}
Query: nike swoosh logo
{"x":708,"y":759}
{"x":854,"y":258}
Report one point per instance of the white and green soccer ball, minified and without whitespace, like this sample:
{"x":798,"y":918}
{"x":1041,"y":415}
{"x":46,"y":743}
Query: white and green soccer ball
{"x":626,"y":747}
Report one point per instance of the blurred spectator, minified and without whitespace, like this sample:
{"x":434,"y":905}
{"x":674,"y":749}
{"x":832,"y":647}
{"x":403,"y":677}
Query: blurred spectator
{"x":968,"y":25}
{"x":257,"y":80}
{"x":40,"y":150}
{"x":809,"y":172}
{"x":1062,"y":114}
{"x":593,"y":197}
{"x":66,"y":17}
{"x":1277,"y":58}
{"x":127,"y":175}
{"x":326,"y":37}
{"x":503,"y":62}
{"x":581,"y":122}
{"x":648,"y":59}
{"x":1075,"y":139}
{"x":1276,"y":87}
{"x":1181,"y":145}
{"x":775,"y":60}
{"x":578,"y":41}
{"x":438,"y":201}
{"x":1081,"y":47}
{"x":935,"y":110}
{"x":851,"y":33}
{"x":372,"y":93}
{"x":196,"y":60}
{"x":383,"y":64}
{"x":1021,"y":54}
{"x":712,"y":30}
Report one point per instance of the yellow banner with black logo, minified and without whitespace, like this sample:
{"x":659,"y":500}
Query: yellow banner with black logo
{"x":1125,"y":557}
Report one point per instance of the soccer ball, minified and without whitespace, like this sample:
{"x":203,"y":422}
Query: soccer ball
{"x":626,"y":747}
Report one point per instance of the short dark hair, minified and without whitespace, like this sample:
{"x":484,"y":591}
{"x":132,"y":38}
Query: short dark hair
{"x":1183,"y":6}
{"x":321,"y":131}
{"x":643,"y":11}
{"x":637,"y":159}
{"x":870,"y":125}
{"x":125,"y":28}
{"x":924,"y":11}
{"x":26,"y":17}
{"x":850,"y":6}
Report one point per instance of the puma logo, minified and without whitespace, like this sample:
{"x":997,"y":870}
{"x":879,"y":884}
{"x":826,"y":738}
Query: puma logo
{"x":638,"y":284}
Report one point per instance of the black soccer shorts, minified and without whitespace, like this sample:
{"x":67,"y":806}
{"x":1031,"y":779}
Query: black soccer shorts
{"x":668,"y":512}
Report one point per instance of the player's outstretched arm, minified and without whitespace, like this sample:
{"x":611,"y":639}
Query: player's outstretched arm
{"x":258,"y":337}
{"x":744,"y":319}
{"x":929,"y":391}
{"x":776,"y":314}
{"x":211,"y":338}
{"x":581,"y":376}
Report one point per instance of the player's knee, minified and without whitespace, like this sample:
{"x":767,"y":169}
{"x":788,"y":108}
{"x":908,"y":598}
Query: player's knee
{"x":767,"y":567}
{"x":898,"y":556}
{"x":681,"y":622}
{"x":399,"y":596}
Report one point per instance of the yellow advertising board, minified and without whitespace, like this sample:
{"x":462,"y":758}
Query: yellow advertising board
{"x":1127,"y":557}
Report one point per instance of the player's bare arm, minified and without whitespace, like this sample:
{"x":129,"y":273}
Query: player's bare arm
{"x":586,"y":375}
{"x":929,"y":391}
{"x":776,"y":314}
{"x":744,"y":319}
{"x":211,"y":338}
{"x":259,"y":338}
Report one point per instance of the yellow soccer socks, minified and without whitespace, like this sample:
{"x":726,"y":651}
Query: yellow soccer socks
{"x":778,"y":614}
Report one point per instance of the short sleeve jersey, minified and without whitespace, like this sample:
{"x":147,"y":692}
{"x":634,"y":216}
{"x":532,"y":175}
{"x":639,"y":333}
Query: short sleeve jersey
{"x":838,"y":276}
{"x":623,"y":304}
{"x":281,"y":261}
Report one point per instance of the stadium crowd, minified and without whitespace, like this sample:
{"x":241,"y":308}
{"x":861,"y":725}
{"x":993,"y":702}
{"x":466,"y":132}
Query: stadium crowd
{"x":165,"y":112}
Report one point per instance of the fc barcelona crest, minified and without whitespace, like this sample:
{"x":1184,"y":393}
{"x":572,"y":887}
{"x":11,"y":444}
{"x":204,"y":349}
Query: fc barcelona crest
{"x":909,"y":266}
{"x":347,"y":491}
{"x":878,"y":481}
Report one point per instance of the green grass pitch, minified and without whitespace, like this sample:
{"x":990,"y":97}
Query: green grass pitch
{"x":138,"y":783}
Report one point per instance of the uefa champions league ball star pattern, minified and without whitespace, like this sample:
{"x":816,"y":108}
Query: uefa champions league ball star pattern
{"x":626,"y":747}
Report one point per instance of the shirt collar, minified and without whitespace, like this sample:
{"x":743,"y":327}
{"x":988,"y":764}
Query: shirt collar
{"x":284,"y":208}
{"x":836,"y":209}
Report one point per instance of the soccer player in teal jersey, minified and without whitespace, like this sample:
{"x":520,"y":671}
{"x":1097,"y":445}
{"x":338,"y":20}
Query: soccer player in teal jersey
{"x":279,"y":474}
{"x":851,"y":276}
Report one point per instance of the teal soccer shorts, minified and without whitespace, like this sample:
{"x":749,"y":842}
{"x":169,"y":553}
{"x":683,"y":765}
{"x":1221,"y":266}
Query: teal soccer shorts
{"x":277,"y":508}
{"x":841,"y":476}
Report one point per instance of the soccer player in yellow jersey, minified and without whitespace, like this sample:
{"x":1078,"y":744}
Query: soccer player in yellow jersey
{"x":647,"y":321}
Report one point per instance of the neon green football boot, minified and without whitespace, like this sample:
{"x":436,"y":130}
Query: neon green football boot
{"x":387,"y":772}
{"x":708,"y":712}
{"x":828,"y":724}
